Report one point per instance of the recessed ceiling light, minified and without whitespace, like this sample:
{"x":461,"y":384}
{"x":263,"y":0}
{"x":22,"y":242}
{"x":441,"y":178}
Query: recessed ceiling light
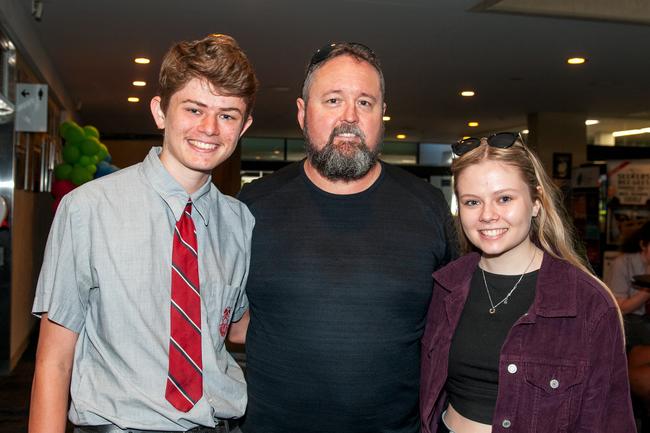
{"x":133,"y":99}
{"x":139,"y":83}
{"x":525,"y":131}
{"x":576,"y":60}
{"x":472,"y":124}
{"x":142,"y":60}
{"x":467,"y":93}
{"x":631,"y":132}
{"x":385,"y":118}
{"x":590,"y":122}
{"x":400,"y":136}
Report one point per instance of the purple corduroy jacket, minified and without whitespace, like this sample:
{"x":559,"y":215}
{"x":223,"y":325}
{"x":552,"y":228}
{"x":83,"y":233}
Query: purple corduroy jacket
{"x":562,"y":366}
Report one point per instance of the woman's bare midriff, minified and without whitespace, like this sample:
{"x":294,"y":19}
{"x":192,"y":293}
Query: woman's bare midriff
{"x":459,"y":424}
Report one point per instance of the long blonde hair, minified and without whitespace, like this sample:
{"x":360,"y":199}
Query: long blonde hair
{"x":551,"y":230}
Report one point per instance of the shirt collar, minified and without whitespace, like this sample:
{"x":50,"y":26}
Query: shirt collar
{"x":171,"y":191}
{"x":556,"y":289}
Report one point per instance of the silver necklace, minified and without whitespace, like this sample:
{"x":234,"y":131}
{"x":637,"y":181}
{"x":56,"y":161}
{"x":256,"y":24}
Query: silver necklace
{"x":493,"y":306}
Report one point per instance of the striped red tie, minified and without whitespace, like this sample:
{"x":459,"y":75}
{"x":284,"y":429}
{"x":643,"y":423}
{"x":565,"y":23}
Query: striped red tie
{"x":185,"y":376}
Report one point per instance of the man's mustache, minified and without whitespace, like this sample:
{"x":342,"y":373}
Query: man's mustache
{"x":348,"y":128}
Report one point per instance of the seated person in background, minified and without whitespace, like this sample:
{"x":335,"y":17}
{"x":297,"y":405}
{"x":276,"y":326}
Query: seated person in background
{"x":635,"y":260}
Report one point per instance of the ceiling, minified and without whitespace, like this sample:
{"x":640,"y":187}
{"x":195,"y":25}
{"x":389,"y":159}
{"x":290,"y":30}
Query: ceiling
{"x":430,"y":51}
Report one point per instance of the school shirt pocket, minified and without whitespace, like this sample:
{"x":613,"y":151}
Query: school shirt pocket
{"x":554,"y":393}
{"x":220,"y":300}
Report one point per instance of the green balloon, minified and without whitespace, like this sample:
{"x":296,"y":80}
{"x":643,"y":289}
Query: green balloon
{"x":71,"y":153}
{"x":79,"y":175}
{"x":63,"y":127}
{"x":90,"y":146}
{"x":85,"y":160}
{"x":91,"y":131}
{"x":91,"y":168}
{"x":62,"y":171}
{"x":103,"y":152}
{"x":95,"y":158}
{"x":74,"y":134}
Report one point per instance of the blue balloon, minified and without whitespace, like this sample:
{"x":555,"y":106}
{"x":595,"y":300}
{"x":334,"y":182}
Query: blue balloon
{"x":104,"y":168}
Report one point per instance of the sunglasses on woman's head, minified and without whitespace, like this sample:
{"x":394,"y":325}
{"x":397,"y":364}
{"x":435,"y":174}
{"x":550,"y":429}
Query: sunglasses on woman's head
{"x":502,"y":140}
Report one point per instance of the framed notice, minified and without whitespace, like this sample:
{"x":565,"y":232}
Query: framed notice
{"x":561,"y":166}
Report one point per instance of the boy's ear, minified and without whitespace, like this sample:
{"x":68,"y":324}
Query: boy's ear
{"x":157,"y":112}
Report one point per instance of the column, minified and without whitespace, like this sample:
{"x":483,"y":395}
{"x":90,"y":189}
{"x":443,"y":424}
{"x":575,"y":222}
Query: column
{"x":558,"y":133}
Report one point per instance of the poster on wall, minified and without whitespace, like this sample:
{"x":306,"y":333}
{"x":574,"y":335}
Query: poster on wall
{"x":629,"y":182}
{"x":628,"y":198}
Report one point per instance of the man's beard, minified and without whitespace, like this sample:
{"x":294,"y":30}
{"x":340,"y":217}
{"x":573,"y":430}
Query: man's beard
{"x":335,"y":162}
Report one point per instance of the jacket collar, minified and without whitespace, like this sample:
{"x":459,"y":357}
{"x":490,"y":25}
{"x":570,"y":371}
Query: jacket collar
{"x":556,"y":289}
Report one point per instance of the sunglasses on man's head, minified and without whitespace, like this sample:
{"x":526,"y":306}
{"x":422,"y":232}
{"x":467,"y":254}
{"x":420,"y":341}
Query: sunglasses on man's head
{"x":324,"y":52}
{"x":502,"y":140}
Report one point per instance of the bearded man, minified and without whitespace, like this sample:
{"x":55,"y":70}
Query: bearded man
{"x":342,"y":255}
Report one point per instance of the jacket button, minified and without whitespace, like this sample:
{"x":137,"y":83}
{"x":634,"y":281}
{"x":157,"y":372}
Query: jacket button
{"x":506,"y":423}
{"x":554,"y":384}
{"x":512,"y":368}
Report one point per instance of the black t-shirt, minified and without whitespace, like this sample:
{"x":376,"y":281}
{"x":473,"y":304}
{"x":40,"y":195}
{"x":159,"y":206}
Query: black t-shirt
{"x":339,"y":287}
{"x":473,"y":375}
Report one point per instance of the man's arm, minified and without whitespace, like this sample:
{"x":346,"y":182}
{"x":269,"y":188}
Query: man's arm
{"x":237,"y":331}
{"x":51,"y":386}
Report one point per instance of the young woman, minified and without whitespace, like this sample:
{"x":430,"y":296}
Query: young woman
{"x":520,"y":337}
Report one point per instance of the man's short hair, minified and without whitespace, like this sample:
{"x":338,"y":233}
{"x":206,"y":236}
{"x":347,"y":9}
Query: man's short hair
{"x":217,"y":59}
{"x":330,"y":51}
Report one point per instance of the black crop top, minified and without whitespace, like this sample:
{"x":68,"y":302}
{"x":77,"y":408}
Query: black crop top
{"x":472,"y":380}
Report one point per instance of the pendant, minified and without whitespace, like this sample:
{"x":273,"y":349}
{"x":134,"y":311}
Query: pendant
{"x":492,"y":310}
{"x":505,"y":301}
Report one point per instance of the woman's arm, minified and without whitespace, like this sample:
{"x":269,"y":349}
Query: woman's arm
{"x":633,"y":302}
{"x":606,"y":404}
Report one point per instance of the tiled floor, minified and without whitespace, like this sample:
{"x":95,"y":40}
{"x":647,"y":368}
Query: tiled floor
{"x":14,"y":396}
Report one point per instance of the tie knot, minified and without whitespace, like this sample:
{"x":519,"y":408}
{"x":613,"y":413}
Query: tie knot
{"x":188,"y":207}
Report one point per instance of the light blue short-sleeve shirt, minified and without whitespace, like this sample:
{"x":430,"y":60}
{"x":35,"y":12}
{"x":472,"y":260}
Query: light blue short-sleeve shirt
{"x":106,"y":275}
